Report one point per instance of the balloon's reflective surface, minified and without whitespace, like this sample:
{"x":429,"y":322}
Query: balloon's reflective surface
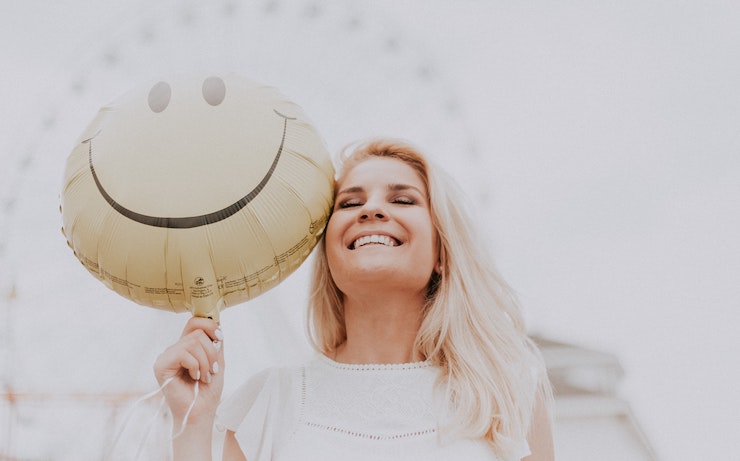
{"x":197,"y":192}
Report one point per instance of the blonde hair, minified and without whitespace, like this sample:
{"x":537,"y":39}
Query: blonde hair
{"x":472,"y":326}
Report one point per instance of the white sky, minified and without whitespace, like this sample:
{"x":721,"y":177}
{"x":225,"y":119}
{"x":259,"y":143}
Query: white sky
{"x":605,"y":165}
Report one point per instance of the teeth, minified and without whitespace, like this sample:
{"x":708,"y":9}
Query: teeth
{"x":378,"y":239}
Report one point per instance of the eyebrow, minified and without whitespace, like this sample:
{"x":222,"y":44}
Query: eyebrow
{"x":390,"y":187}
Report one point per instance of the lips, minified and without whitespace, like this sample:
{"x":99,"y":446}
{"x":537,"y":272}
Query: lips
{"x":374,"y":239}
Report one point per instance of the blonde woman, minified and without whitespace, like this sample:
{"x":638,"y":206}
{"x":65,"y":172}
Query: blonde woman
{"x":422,"y":351}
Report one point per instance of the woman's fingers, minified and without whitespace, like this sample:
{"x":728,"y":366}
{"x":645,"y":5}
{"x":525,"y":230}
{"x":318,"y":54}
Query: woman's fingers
{"x":209,"y":326}
{"x":198,"y":352}
{"x":208,"y":333}
{"x":191,"y":364}
{"x":201,"y":357}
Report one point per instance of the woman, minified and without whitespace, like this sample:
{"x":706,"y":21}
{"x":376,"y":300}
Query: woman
{"x":422,"y":350}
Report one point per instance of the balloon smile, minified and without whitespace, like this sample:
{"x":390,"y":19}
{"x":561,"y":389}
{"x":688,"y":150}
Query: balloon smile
{"x":189,"y":221}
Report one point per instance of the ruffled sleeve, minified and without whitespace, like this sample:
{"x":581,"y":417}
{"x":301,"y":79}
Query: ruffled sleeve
{"x":255,"y":413}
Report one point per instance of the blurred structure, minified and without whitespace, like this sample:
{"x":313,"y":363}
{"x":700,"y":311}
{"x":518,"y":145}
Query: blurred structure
{"x":591,"y":421}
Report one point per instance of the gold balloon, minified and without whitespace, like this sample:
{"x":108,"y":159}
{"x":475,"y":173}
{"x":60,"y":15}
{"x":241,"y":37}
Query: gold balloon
{"x":196,"y":193}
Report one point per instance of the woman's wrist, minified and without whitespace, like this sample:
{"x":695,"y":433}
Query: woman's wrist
{"x":194,"y":442}
{"x":193,"y":423}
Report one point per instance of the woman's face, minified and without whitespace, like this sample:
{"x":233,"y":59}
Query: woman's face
{"x":380,"y":233}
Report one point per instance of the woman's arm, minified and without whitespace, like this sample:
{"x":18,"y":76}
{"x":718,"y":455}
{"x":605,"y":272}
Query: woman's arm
{"x":195,"y":443}
{"x":197,"y":357}
{"x":540,"y":435}
{"x":232,"y":450}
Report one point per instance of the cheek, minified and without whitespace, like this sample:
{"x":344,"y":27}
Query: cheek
{"x":332,"y":231}
{"x":434,"y":244}
{"x":333,"y":241}
{"x":335,"y":261}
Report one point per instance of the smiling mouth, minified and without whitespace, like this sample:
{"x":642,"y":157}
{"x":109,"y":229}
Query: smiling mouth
{"x":374,"y":239}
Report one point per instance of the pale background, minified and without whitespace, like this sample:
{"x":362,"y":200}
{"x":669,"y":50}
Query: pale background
{"x":600,"y":142}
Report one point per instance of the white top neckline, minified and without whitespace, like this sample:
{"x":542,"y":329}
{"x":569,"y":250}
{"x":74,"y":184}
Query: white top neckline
{"x":373,"y":366}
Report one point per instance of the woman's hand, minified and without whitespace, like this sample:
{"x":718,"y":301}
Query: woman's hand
{"x":197,"y":356}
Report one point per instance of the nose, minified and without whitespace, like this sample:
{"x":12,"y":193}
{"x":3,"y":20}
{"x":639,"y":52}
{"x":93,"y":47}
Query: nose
{"x":372,"y":211}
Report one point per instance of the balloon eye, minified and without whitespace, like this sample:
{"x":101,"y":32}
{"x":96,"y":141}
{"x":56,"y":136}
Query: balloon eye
{"x":214,"y":90}
{"x":159,"y":97}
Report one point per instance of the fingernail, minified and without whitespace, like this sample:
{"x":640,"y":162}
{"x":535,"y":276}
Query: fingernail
{"x":215,"y":367}
{"x":208,"y":378}
{"x":219,"y":334}
{"x":217,"y":345}
{"x":197,"y":375}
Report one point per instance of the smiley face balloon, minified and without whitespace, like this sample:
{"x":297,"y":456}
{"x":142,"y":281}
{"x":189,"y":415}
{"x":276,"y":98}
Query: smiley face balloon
{"x":196,"y":193}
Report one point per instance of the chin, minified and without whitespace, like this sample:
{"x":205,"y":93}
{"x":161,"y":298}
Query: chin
{"x":381,"y":279}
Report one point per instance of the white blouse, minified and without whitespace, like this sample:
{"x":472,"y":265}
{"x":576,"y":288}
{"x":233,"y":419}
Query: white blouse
{"x":328,"y":411}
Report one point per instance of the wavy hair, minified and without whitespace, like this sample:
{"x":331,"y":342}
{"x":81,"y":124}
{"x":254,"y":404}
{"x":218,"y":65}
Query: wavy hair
{"x":472,"y":325}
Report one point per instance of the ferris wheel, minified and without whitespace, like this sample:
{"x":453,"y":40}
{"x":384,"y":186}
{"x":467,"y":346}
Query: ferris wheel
{"x":356,"y":73}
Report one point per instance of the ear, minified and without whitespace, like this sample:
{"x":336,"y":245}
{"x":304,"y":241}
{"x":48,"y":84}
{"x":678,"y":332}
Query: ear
{"x":438,"y":267}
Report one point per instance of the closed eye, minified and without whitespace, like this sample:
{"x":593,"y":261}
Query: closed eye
{"x":404,"y":200}
{"x":349,"y":203}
